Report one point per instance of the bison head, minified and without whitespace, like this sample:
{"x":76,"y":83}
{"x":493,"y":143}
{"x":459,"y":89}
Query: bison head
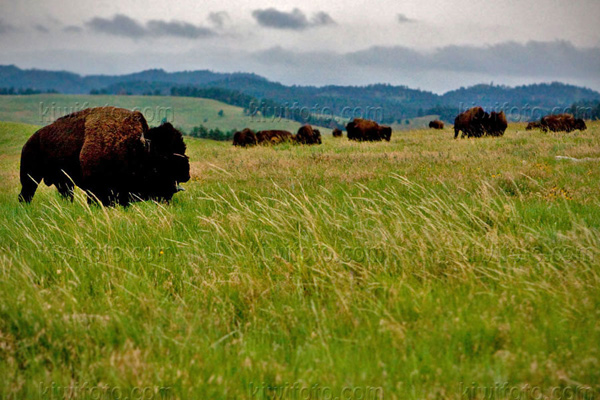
{"x":317,"y":135}
{"x":386,"y":133}
{"x":166,"y":163}
{"x":580,"y":124}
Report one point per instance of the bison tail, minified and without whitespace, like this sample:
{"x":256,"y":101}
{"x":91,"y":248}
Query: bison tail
{"x":31,"y":170}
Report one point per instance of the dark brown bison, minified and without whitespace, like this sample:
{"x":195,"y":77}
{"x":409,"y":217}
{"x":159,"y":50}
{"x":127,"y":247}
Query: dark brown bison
{"x":533,"y":125}
{"x":337,"y":133}
{"x":562,"y":123}
{"x":273,"y":137}
{"x":307,"y":135}
{"x":496,"y":124}
{"x":363,"y":130}
{"x":245,"y":138}
{"x":436,"y":124}
{"x":108,"y":152}
{"x":471,"y":123}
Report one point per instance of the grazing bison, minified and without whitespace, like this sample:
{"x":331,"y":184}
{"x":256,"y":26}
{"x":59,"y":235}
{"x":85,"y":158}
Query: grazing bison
{"x":108,"y":152}
{"x":337,"y":133}
{"x":471,"y":123}
{"x":245,"y":138}
{"x":273,"y":137}
{"x":562,"y":123}
{"x":436,"y":124}
{"x":496,"y":124}
{"x":307,"y":135}
{"x":363,"y":130}
{"x":533,"y":125}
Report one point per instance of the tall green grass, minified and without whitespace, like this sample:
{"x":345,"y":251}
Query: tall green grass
{"x":411,"y":269}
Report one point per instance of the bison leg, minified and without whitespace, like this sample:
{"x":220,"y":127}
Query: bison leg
{"x":456,"y":130}
{"x":29,"y":184}
{"x":31,"y":170}
{"x":66,"y":189}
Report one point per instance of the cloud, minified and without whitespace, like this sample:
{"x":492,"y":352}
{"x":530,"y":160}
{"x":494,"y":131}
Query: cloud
{"x":557,"y":60}
{"x":293,"y":20}
{"x":403,"y":19}
{"x":119,"y":25}
{"x":219,"y":19}
{"x":122,"y":25}
{"x":72,"y":29}
{"x":4,"y":27}
{"x":178,"y":28}
{"x":41,"y":28}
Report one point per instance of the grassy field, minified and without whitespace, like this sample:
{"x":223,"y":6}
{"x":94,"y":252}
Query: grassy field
{"x":423,"y":268}
{"x":184,"y":112}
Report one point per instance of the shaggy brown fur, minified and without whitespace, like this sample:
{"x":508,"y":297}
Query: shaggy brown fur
{"x":562,"y":123}
{"x":273,"y":137}
{"x":496,"y":124}
{"x":436,"y":124}
{"x":471,"y":123}
{"x":307,"y":135}
{"x":105,"y":152}
{"x":366,"y":130}
{"x":337,"y":133}
{"x":245,"y":138}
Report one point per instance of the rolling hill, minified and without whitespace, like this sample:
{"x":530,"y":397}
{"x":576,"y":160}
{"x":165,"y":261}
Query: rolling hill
{"x":183,"y":112}
{"x":397,"y":102}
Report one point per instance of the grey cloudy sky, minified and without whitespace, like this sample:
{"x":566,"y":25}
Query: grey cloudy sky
{"x":431,"y":44}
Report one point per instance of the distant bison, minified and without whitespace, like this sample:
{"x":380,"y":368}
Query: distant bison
{"x":108,"y":152}
{"x":436,"y":124}
{"x":533,"y":125}
{"x":470,"y":123}
{"x":245,"y":138}
{"x":307,"y":135}
{"x":496,"y":124}
{"x":562,"y":123}
{"x":273,"y":137}
{"x":363,"y":130}
{"x":475,"y":122}
{"x":337,"y":133}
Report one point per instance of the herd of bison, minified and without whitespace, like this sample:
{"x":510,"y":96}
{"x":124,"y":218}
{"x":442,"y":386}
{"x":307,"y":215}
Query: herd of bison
{"x":114,"y":156}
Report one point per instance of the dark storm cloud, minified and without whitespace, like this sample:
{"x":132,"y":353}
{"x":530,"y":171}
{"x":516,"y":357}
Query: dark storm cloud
{"x":403,"y":19}
{"x":122,"y":25}
{"x":294,"y":20}
{"x":559,"y":59}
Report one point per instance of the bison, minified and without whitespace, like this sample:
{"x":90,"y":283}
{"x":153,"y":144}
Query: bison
{"x":496,"y":124}
{"x":533,"y":125}
{"x":363,"y":130}
{"x":307,"y":135}
{"x":470,"y":123}
{"x":562,"y":123}
{"x":108,"y":152}
{"x":273,"y":137}
{"x":337,"y":133}
{"x":245,"y":138}
{"x":436,"y":124}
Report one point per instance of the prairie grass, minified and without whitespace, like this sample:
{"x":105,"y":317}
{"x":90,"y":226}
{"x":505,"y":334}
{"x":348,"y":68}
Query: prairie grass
{"x":402,"y":270}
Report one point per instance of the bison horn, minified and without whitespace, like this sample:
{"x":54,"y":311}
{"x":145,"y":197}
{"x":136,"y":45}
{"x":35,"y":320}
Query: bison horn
{"x":180,"y":188}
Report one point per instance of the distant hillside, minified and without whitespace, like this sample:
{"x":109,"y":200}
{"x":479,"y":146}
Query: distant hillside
{"x":183,"y":112}
{"x":387,"y":103}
